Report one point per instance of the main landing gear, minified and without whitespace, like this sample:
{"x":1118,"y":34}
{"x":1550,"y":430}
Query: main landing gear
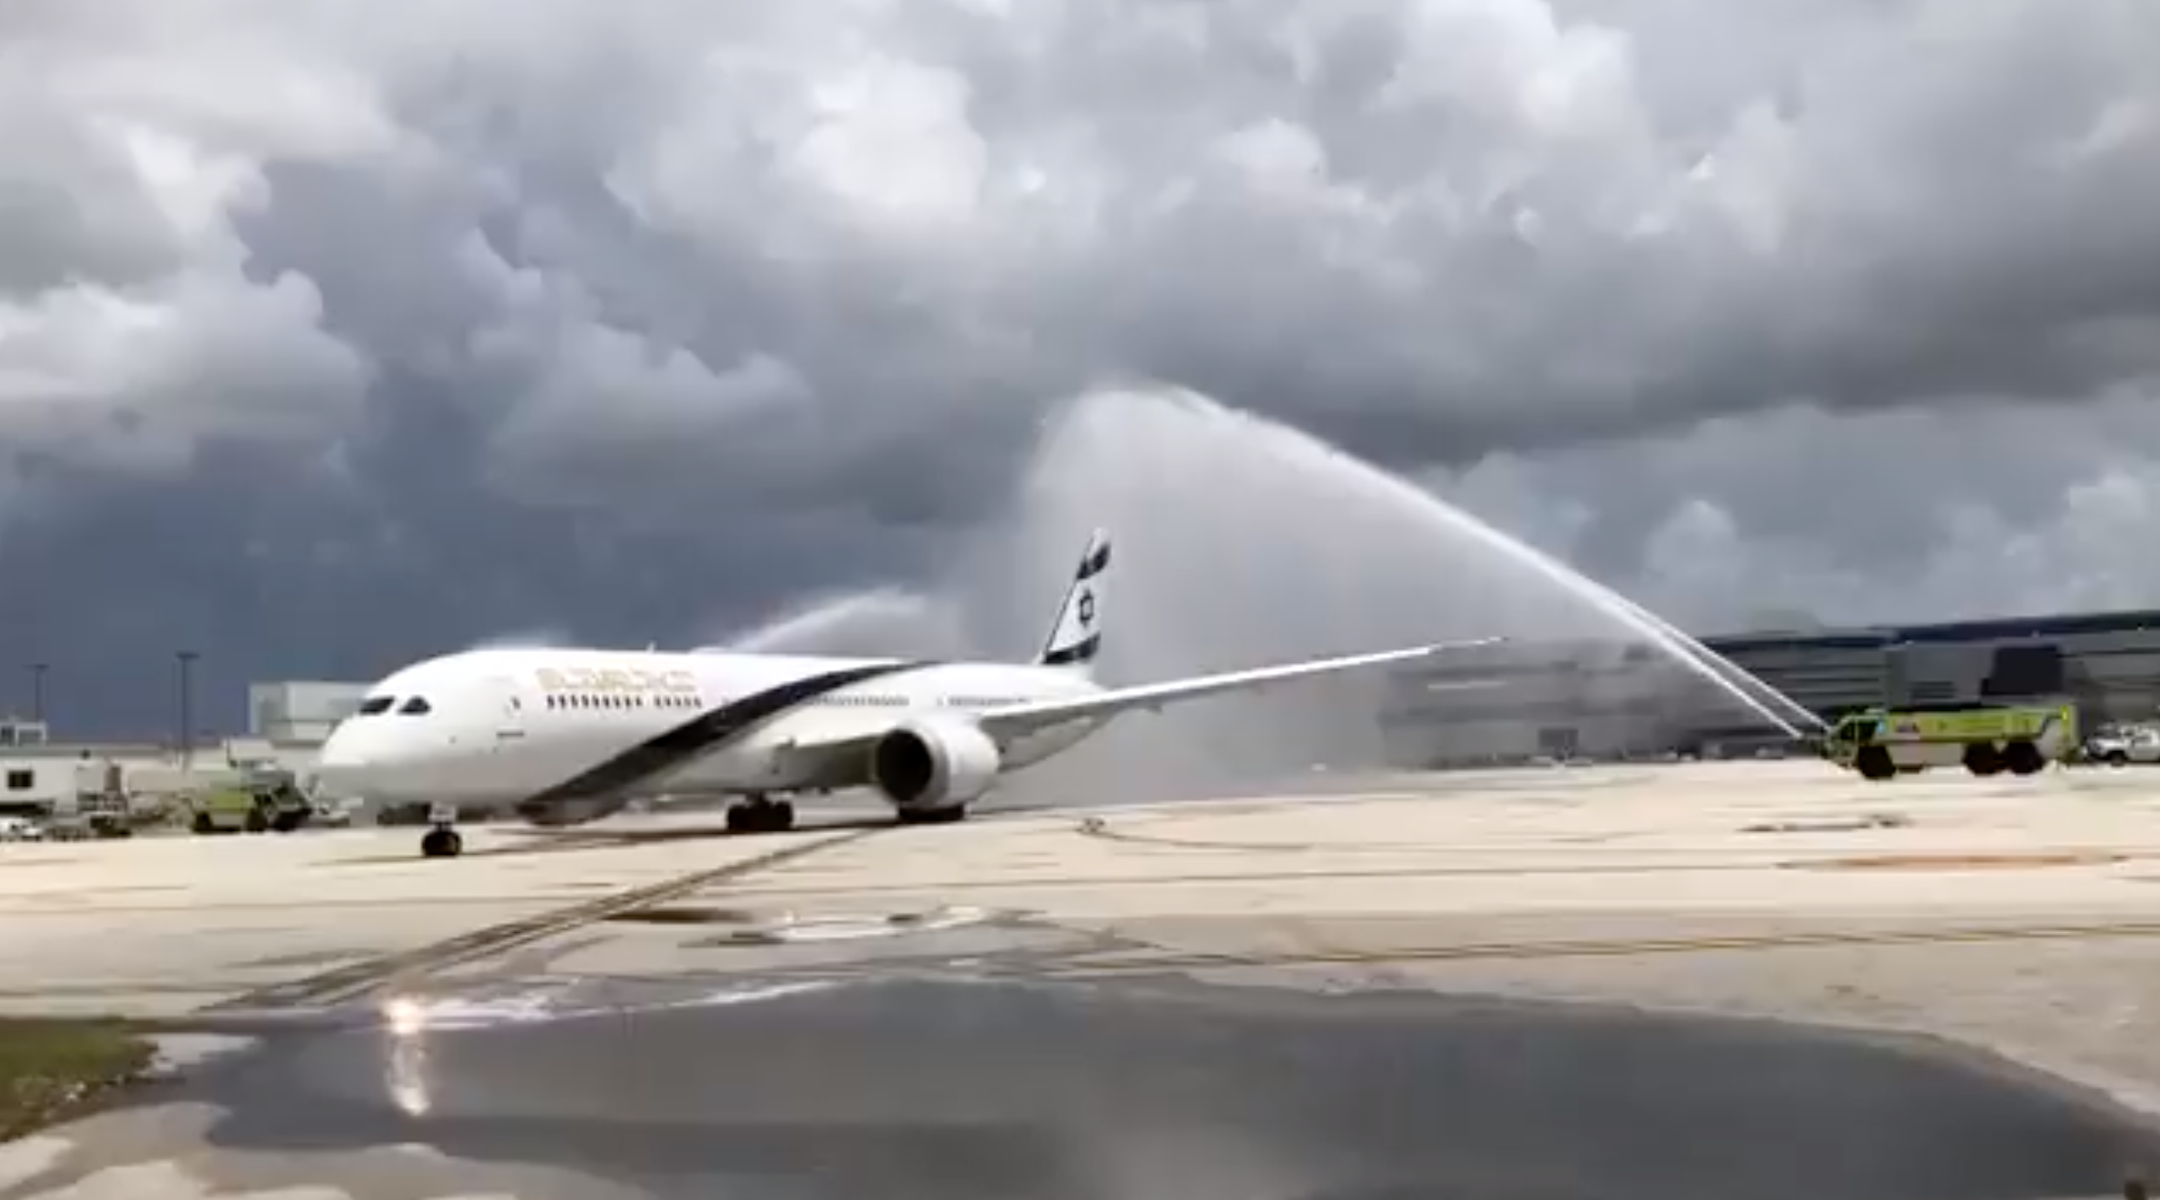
{"x":442,"y":839}
{"x":760,"y":815}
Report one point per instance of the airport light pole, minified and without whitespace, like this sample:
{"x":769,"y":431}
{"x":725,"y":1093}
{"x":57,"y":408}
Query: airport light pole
{"x":187,"y":707}
{"x":37,"y":690}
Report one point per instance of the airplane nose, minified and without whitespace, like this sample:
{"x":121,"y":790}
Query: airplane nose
{"x":343,"y":760}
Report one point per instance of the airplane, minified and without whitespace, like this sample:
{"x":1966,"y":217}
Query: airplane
{"x":565,"y":736}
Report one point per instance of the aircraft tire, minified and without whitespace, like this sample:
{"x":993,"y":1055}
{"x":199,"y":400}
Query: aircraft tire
{"x":441,"y":843}
{"x":761,"y":816}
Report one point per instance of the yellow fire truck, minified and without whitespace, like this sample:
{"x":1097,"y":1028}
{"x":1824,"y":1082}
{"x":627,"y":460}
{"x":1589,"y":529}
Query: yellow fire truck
{"x":255,"y":805}
{"x":1882,"y":743}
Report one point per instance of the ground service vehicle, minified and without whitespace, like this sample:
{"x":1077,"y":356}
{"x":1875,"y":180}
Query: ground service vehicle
{"x":2119,"y":747}
{"x":90,"y":815}
{"x":2022,"y":739}
{"x":254,"y":807}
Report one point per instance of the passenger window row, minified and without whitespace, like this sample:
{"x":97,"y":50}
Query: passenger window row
{"x":592,"y":700}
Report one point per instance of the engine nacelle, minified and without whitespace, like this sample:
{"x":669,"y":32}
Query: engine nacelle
{"x":929,"y":765}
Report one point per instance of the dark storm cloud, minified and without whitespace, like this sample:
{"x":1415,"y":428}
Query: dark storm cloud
{"x":629,"y":318}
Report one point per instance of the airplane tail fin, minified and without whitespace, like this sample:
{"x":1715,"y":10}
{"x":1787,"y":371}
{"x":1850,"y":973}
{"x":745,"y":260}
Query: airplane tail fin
{"x":1076,"y":636}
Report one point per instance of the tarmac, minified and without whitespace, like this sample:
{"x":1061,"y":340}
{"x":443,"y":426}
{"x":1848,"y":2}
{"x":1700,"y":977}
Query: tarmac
{"x":1506,"y":983}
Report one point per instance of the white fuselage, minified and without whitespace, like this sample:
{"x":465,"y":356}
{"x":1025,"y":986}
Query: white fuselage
{"x":502,"y":726}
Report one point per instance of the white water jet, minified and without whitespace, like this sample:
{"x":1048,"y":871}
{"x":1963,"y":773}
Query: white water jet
{"x":1239,"y":541}
{"x":1759,"y":697}
{"x":883,"y":620}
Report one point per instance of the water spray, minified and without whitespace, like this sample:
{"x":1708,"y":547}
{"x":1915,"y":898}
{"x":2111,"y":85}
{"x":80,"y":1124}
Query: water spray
{"x":1242,"y":542}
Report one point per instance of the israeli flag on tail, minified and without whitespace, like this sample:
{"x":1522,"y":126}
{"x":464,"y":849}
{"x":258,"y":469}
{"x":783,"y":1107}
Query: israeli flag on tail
{"x":1076,"y":635}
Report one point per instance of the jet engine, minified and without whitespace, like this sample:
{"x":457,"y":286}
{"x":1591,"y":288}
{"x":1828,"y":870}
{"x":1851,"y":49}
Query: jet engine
{"x":934,"y":766}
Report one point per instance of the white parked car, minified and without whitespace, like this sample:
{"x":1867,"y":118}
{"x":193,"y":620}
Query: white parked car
{"x":2119,"y":747}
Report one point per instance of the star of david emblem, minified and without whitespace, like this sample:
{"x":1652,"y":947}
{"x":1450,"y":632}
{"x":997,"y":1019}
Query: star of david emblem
{"x":1086,"y":608}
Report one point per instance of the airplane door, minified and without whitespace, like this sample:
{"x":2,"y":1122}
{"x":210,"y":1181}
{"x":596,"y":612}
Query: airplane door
{"x":510,"y":719}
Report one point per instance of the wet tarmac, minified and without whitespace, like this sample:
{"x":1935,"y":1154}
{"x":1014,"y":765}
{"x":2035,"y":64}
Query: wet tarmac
{"x":1014,"y":1090}
{"x":1252,"y":998}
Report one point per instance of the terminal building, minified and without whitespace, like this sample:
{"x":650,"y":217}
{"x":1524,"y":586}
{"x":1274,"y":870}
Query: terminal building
{"x":1517,"y":702}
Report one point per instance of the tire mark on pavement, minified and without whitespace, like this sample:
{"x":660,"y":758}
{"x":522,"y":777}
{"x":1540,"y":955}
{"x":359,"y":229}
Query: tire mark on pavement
{"x":355,"y":980}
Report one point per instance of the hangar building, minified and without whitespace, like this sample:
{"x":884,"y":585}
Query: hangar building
{"x":1516,"y":702}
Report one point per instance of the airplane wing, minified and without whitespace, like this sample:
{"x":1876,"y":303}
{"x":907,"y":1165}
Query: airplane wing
{"x":1018,"y":720}
{"x":840,"y":762}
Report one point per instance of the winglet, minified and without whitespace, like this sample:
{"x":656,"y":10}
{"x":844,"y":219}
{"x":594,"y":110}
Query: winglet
{"x":1076,"y":635}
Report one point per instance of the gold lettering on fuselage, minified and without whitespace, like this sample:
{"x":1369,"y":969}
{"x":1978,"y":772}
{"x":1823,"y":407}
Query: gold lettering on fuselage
{"x":633,"y":680}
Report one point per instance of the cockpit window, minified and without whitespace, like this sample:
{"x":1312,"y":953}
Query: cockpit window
{"x":376,"y":704}
{"x":415,"y":706}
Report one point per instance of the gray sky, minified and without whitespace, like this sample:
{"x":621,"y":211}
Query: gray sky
{"x":334,"y":334}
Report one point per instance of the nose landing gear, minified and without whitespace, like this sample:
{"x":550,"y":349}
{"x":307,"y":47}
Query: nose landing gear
{"x":442,"y":839}
{"x":760,"y":815}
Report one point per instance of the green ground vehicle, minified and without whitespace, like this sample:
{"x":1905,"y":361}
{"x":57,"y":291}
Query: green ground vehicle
{"x":273,"y":805}
{"x":2021,"y":739}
